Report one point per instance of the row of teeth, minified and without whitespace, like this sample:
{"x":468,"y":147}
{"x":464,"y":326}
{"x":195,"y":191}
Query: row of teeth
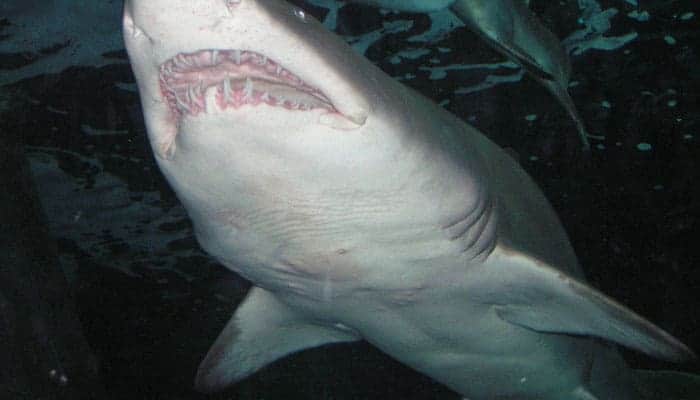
{"x":185,"y":84}
{"x":185,"y":63}
{"x":193,"y":100}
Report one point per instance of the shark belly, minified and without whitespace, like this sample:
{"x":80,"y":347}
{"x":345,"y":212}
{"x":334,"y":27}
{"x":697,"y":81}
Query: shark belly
{"x":492,"y":359}
{"x":431,"y":319}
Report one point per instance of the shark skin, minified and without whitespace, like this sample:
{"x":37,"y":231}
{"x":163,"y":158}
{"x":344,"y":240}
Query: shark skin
{"x":360,"y":209}
{"x":513,"y":30}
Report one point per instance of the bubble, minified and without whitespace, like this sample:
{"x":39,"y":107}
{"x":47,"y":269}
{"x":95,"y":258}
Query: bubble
{"x":643,"y":146}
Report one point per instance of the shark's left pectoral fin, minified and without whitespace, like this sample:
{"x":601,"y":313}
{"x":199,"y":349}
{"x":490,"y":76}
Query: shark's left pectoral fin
{"x":525,"y":60}
{"x":261,"y":331}
{"x":494,"y":22}
{"x":539,"y":297}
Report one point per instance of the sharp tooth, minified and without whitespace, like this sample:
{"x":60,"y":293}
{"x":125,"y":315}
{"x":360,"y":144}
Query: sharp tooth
{"x":265,"y":97}
{"x":183,"y":60}
{"x":168,"y":86}
{"x":166,"y":70}
{"x":263,"y":60}
{"x":200,"y":91}
{"x":191,"y":95}
{"x":182,"y":105}
{"x":237,"y":57}
{"x":177,"y":63}
{"x":248,"y":89}
{"x":181,"y":63}
{"x":214,"y":57}
{"x":227,"y":90}
{"x":279,"y":70}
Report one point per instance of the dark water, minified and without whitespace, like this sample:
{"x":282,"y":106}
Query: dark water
{"x":151,"y":303}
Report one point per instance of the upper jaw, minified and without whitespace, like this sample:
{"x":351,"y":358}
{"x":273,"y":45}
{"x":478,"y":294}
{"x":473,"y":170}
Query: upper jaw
{"x":307,"y":54}
{"x":195,"y":83}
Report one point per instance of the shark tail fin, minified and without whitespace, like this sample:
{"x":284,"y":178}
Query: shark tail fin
{"x":670,"y":385}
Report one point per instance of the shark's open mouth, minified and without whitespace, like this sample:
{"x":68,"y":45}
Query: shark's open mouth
{"x":232,"y":79}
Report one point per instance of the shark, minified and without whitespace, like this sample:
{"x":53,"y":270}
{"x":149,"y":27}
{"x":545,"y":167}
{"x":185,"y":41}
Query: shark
{"x":361,"y":210}
{"x":512,"y":29}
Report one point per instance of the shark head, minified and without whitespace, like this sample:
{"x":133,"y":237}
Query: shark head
{"x":253,"y":103}
{"x":250,"y":95}
{"x":245,"y":61}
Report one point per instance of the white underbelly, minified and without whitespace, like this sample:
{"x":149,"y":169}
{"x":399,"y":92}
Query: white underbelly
{"x":470,"y":349}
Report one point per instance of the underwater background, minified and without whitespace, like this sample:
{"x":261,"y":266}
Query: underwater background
{"x":150,"y":302}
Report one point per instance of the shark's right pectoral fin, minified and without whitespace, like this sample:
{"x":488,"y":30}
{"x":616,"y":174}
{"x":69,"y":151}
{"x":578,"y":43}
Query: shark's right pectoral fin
{"x":261,"y":331}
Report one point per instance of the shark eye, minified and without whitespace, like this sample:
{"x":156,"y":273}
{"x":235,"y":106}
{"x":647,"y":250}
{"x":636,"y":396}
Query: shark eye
{"x":299,"y":13}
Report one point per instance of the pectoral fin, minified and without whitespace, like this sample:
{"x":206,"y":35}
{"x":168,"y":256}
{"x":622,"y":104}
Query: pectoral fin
{"x":539,"y":297}
{"x":495,"y":22}
{"x":520,"y":56}
{"x":261,"y":331}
